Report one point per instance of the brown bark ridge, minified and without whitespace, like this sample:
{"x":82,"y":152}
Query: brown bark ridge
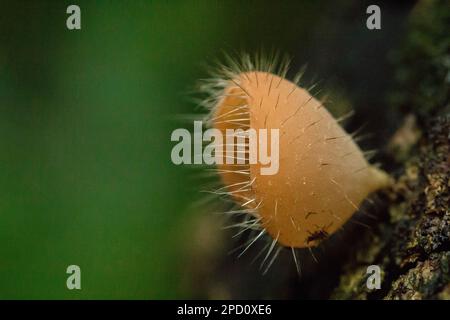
{"x":412,"y":247}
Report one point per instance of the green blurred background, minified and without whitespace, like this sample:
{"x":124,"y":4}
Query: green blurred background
{"x":86,"y":117}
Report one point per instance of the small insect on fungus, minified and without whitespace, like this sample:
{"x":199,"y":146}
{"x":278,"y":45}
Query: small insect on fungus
{"x":319,"y":235}
{"x":322,"y":176}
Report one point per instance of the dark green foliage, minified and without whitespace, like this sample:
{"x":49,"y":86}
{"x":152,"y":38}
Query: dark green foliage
{"x":423,"y":62}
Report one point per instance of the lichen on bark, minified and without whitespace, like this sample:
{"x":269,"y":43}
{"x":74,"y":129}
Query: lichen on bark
{"x":413,"y":246}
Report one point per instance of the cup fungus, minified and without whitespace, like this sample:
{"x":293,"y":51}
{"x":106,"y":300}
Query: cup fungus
{"x":323,"y":176}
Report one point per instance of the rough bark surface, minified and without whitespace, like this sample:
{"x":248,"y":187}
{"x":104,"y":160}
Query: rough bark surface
{"x":412,"y":247}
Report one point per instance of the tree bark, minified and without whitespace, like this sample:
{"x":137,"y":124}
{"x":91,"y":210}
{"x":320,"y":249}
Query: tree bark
{"x":412,"y":246}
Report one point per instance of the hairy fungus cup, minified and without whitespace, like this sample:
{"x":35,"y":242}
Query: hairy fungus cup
{"x":323,"y":176}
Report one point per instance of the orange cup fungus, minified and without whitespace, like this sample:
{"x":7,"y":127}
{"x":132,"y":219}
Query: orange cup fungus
{"x":323,"y":176}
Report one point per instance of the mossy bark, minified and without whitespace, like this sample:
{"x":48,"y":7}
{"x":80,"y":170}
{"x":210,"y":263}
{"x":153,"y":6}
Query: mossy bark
{"x":412,"y":245}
